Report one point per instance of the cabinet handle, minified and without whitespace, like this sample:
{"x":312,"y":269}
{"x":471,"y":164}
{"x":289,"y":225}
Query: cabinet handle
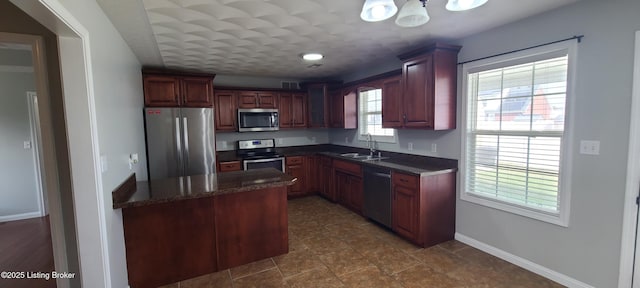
{"x":404,"y":118}
{"x":403,"y":180}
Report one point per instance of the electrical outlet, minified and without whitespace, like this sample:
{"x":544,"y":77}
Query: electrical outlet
{"x":346,"y":139}
{"x":27,"y":144}
{"x":590,"y":147}
{"x":434,"y":147}
{"x":280,"y":141}
{"x":223,"y":144}
{"x":313,"y":139}
{"x":410,"y":146}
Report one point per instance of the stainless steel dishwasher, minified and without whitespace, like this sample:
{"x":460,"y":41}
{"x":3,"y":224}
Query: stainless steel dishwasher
{"x":377,"y":195}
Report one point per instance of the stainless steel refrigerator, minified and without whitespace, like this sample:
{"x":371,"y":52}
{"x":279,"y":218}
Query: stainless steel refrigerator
{"x":180,"y":142}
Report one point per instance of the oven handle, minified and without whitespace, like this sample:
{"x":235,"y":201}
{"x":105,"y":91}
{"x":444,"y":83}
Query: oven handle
{"x":244,"y":162}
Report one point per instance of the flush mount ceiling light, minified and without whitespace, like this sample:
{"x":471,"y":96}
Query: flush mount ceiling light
{"x":312,"y":56}
{"x":378,"y":10}
{"x":461,"y":5}
{"x":413,"y":14}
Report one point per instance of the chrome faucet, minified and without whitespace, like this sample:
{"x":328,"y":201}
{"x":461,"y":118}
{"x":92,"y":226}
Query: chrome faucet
{"x":370,"y":144}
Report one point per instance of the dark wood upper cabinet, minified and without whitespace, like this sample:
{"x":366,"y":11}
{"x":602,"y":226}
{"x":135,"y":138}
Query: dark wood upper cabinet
{"x":428,"y":98}
{"x":293,"y":109}
{"x":197,"y":92}
{"x":344,"y":108}
{"x":165,"y":90}
{"x":391,"y":103}
{"x":318,"y":103}
{"x":161,"y":91}
{"x":257,"y":99}
{"x":226,"y":109}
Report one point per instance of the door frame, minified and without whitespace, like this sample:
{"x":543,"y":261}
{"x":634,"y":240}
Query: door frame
{"x":36,"y":148}
{"x":628,"y":252}
{"x":84,"y":152}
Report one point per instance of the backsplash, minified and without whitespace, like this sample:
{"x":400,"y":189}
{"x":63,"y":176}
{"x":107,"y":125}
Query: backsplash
{"x":284,"y":138}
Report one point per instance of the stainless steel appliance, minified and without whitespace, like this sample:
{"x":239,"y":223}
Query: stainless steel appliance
{"x":258,"y":120}
{"x":260,"y":153}
{"x":180,"y":142}
{"x":377,"y":195}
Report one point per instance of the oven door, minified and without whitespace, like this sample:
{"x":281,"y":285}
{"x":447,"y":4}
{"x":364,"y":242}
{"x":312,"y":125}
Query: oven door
{"x":277,"y":163}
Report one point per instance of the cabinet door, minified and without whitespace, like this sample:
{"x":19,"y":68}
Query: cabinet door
{"x":197,"y":92}
{"x":267,"y":100}
{"x":226,"y":110}
{"x":299,"y":110}
{"x":405,"y":212}
{"x":286,"y":117}
{"x":247,"y":99}
{"x":341,"y":182}
{"x":337,"y":109}
{"x":417,"y":78}
{"x":356,"y":200}
{"x":297,"y":171}
{"x":318,"y":106}
{"x":161,"y":91}
{"x":392,"y":103}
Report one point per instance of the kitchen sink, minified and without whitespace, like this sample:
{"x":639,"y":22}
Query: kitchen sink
{"x":362,"y":157}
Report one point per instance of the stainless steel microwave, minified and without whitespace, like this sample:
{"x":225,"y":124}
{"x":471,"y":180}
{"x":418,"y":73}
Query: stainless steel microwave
{"x":258,"y":120}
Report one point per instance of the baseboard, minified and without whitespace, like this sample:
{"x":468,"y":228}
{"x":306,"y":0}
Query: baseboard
{"x":524,"y":263}
{"x":20,"y":216}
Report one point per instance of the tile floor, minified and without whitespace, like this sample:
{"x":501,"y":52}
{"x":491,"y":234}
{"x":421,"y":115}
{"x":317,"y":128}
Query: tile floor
{"x":332,"y":247}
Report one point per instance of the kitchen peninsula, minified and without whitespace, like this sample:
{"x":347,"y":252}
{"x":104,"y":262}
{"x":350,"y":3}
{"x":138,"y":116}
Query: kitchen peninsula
{"x":179,"y":228}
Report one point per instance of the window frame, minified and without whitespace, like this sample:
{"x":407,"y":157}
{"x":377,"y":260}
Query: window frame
{"x":560,"y":218}
{"x":361,"y":118}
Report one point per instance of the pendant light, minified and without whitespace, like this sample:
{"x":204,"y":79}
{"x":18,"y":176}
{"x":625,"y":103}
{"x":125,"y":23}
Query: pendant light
{"x":412,"y":14}
{"x":462,"y":5}
{"x":378,"y":10}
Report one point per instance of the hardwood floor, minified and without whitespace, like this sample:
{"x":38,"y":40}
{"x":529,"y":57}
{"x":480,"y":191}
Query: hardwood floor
{"x":25,"y":246}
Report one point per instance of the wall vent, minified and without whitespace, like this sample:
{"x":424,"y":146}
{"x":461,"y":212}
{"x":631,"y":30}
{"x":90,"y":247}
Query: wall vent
{"x":290,"y":85}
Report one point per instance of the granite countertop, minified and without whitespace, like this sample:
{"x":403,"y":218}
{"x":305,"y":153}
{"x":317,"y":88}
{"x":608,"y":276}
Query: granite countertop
{"x":197,"y":186}
{"x":400,"y":162}
{"x":415,"y":167}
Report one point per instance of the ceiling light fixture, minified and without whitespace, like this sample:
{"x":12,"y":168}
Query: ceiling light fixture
{"x":312,"y":56}
{"x":413,"y":13}
{"x":462,"y":5}
{"x":378,"y":10}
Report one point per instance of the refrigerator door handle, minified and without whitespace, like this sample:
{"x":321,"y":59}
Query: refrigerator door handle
{"x":186,"y":142}
{"x":178,"y":141}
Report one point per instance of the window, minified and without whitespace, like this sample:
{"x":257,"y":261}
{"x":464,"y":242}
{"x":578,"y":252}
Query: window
{"x":370,"y":117}
{"x":516,"y":130}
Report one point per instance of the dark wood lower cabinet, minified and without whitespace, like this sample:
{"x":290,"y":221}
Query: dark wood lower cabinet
{"x":169,"y":242}
{"x":250,"y":228}
{"x":296,"y":167}
{"x":326,"y":179}
{"x":348,"y":185}
{"x":423,"y":208}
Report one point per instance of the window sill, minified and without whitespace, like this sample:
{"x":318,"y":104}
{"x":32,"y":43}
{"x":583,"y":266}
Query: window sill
{"x":556,"y":219}
{"x":380,"y":139}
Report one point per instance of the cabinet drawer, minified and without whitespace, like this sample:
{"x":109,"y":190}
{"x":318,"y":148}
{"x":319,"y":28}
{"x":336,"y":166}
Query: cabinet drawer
{"x":295,"y":160}
{"x":348,"y":167}
{"x":230,"y":166}
{"x":405,"y":180}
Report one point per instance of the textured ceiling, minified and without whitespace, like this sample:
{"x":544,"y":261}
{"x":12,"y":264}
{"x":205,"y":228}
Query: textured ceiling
{"x":266,"y":37}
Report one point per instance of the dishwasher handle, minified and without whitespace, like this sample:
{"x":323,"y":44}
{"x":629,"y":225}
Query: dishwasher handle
{"x":382,"y":175}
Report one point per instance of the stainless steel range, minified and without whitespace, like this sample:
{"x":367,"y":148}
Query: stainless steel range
{"x":260,"y":153}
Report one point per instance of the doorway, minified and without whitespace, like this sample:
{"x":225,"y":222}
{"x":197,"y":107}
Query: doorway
{"x":630,"y":246}
{"x":20,"y":148}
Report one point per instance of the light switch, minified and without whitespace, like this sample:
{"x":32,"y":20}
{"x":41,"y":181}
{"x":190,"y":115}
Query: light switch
{"x":27,"y":144}
{"x":104,"y":166}
{"x":590,"y":147}
{"x":434,"y":147}
{"x":410,"y":146}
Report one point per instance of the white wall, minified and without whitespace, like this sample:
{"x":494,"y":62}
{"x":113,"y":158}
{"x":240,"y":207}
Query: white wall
{"x":588,"y":250}
{"x":18,"y":189}
{"x":297,"y":137}
{"x":117,"y":84}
